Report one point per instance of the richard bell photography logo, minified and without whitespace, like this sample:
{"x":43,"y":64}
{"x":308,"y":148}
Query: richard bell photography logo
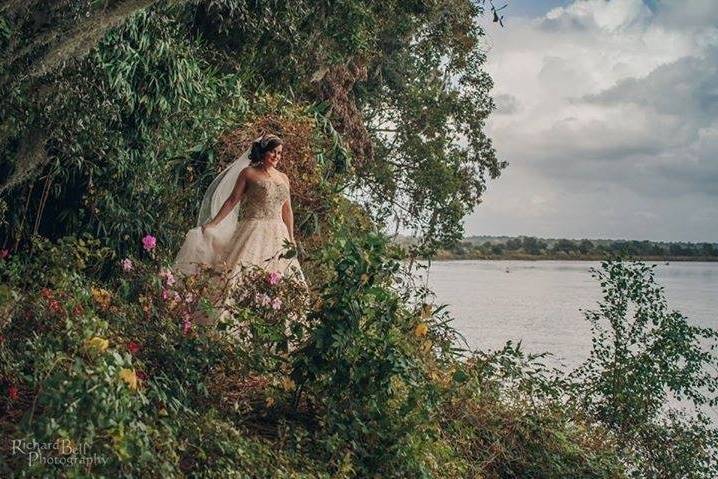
{"x":61,"y":452}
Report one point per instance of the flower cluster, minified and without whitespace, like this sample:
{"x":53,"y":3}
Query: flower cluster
{"x":149,"y":242}
{"x":101,"y":297}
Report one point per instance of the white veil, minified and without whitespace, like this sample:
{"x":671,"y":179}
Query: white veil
{"x":209,"y":247}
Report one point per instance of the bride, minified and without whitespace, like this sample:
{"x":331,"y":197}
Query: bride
{"x":245,"y":219}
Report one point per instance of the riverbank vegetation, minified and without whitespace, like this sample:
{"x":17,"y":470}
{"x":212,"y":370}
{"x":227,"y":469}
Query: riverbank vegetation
{"x":117,"y":115}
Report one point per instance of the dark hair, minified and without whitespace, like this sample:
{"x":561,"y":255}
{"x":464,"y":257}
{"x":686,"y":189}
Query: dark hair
{"x":263,"y":145}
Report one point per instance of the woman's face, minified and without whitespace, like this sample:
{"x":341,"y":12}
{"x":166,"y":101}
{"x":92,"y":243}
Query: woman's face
{"x":272,"y":157}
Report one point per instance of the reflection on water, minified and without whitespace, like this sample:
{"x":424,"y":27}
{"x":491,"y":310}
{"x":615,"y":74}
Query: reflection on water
{"x":539,"y":302}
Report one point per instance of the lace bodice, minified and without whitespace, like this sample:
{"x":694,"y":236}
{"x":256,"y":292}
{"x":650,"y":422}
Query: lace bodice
{"x":263,"y":199}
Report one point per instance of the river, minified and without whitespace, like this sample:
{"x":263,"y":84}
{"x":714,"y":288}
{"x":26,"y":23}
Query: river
{"x":539,"y":302}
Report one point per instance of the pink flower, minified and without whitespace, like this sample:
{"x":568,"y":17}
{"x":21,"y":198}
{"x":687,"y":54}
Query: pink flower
{"x":13,"y":393}
{"x":262,"y":299}
{"x":189,"y":298}
{"x":4,"y":253}
{"x":165,"y":294}
{"x":167,"y":275}
{"x":276,"y":303}
{"x":176,"y":296}
{"x":274,"y":277}
{"x":149,"y":242}
{"x":126,"y":264}
{"x":186,"y":326}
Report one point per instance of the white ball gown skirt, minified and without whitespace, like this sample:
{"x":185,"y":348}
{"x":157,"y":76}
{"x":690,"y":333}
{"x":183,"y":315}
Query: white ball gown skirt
{"x":256,"y":240}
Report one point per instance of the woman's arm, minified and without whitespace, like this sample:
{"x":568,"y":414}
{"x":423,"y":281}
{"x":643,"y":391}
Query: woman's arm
{"x":288,"y":217}
{"x":232,"y":200}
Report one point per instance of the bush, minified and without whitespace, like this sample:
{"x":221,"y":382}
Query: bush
{"x":125,"y":377}
{"x":643,"y":354}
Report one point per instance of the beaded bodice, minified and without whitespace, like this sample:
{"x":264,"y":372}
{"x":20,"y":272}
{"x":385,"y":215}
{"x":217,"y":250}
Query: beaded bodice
{"x":263,"y":199}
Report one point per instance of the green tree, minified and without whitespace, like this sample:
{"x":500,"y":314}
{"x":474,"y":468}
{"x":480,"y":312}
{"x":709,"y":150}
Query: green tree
{"x":565,"y":245}
{"x":533,"y":245}
{"x":642,"y":354}
{"x":585,"y":246}
{"x":513,"y":244}
{"x":131,"y":93}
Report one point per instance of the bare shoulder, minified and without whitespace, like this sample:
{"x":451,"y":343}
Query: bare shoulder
{"x":248,"y":172}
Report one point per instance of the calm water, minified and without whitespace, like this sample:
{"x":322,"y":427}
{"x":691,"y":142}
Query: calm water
{"x":538,"y":302}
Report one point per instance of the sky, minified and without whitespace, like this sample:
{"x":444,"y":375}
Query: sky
{"x":607,"y":112}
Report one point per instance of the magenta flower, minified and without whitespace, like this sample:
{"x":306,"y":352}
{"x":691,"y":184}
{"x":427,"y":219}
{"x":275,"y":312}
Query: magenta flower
{"x":126,"y":264}
{"x":276,"y":303}
{"x":165,"y":294}
{"x":149,"y":242}
{"x":274,"y":277}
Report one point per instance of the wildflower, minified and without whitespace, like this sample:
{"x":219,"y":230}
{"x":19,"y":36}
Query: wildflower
{"x":4,"y":253}
{"x":149,"y":242}
{"x":262,"y":299}
{"x":274,"y":277}
{"x":141,"y":375}
{"x":97,"y":344}
{"x":421,"y":329}
{"x":55,"y":306}
{"x":276,"y":303}
{"x":46,"y":293}
{"x":165,"y":294}
{"x":13,"y":393}
{"x":186,"y":326}
{"x":130,"y":377}
{"x":77,"y":310}
{"x":101,"y":296}
{"x":189,"y":298}
{"x":126,"y":264}
{"x":167,"y":275}
{"x":133,"y":347}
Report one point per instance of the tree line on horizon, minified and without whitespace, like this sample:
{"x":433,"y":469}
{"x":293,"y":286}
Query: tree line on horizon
{"x":483,"y":246}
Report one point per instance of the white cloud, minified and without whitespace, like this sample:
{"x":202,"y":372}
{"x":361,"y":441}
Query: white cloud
{"x":607,"y":114}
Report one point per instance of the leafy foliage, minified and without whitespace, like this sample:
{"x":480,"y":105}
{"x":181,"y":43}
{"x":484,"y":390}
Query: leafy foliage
{"x":643,"y":354}
{"x":106,"y":138}
{"x":126,"y":370}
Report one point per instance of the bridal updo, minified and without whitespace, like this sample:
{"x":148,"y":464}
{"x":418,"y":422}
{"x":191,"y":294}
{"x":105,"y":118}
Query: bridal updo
{"x":261,"y":146}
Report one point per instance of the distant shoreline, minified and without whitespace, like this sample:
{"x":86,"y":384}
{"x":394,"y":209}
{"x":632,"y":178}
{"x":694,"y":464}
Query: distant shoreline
{"x":530,"y":248}
{"x":452,"y":257}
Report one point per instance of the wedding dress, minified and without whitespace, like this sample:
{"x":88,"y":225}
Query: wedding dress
{"x":252,"y":234}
